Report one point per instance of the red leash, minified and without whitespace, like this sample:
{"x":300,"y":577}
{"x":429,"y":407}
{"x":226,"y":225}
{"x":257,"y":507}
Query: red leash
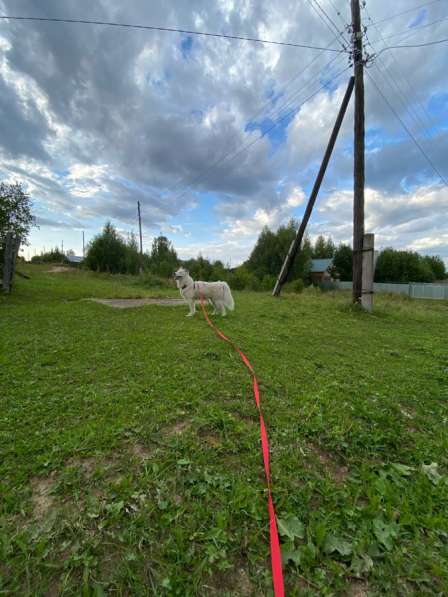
{"x":276,"y":556}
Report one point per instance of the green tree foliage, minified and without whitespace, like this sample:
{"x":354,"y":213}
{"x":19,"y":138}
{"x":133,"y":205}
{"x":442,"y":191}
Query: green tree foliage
{"x":52,"y":256}
{"x":343,"y":262}
{"x":323,"y":248}
{"x":437,"y":266}
{"x":163,"y":259}
{"x":15,"y":211}
{"x":109,"y":252}
{"x":403,"y":267}
{"x":270,"y":251}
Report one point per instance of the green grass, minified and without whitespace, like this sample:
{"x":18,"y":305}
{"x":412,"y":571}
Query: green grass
{"x":129,"y":444}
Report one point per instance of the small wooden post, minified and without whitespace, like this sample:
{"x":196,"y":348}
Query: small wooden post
{"x":7,"y":264}
{"x":368,"y":271}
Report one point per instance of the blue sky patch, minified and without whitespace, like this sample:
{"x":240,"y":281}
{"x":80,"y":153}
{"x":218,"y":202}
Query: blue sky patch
{"x":186,"y":46}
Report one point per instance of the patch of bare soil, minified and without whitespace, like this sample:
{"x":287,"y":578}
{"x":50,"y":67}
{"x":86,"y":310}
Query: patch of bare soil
{"x":139,"y":302}
{"x":336,"y":471}
{"x":235,"y":582}
{"x":140,"y":451}
{"x":178,"y":428}
{"x":358,"y":588}
{"x":41,"y":497}
{"x":58,"y":269}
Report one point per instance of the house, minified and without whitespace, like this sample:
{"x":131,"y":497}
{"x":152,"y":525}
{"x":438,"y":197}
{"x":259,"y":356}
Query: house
{"x":74,"y":259}
{"x":320,"y":270}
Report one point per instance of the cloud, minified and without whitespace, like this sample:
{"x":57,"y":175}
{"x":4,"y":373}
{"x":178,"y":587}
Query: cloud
{"x":95,"y":118}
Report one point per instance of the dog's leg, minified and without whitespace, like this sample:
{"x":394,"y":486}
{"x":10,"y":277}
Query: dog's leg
{"x":214,"y":307}
{"x":192,"y":308}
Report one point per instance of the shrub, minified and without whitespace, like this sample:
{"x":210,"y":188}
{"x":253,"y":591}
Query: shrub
{"x":268,"y":282}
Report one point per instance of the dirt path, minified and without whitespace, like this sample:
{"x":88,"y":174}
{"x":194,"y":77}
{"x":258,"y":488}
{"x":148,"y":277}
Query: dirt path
{"x":129,"y":303}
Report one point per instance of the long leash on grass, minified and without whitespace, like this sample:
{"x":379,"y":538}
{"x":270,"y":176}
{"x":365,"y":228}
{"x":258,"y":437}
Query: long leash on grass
{"x":276,"y":556}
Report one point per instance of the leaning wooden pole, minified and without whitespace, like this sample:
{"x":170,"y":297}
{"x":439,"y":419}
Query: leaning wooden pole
{"x":295,"y":245}
{"x":140,"y":235}
{"x":358,"y":185}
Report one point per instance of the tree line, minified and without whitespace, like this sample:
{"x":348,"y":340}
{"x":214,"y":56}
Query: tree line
{"x":110,"y":252}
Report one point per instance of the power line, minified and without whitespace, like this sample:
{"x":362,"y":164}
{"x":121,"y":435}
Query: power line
{"x":420,"y":148}
{"x":395,"y":81}
{"x":429,"y":43}
{"x":232,"y":155}
{"x":272,"y":114}
{"x":328,"y":21}
{"x":170,"y":30}
{"x":399,"y":14}
{"x":412,"y":30}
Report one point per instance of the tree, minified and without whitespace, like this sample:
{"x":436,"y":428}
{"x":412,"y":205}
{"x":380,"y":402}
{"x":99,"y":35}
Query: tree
{"x":323,"y":248}
{"x":15,"y":211}
{"x":437,"y":266}
{"x":107,"y":251}
{"x":402,"y":267}
{"x":270,"y":251}
{"x":163,"y":259}
{"x":343,"y":262}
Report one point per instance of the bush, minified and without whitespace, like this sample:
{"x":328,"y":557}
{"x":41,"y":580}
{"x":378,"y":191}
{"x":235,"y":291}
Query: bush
{"x":153,"y":281}
{"x":108,"y":252}
{"x":268,"y":283}
{"x":298,"y":286}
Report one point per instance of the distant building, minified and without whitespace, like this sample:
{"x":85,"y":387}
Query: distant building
{"x":320,"y":270}
{"x":75,"y":259}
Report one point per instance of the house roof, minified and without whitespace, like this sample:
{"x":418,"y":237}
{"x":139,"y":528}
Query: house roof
{"x":74,"y":258}
{"x":320,"y":265}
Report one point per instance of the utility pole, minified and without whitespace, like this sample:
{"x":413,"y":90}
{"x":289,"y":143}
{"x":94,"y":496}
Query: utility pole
{"x":296,"y":243}
{"x":141,"y":240}
{"x":83,"y":246}
{"x":358,"y":187}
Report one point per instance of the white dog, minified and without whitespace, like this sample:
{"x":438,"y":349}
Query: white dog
{"x":217,"y":293}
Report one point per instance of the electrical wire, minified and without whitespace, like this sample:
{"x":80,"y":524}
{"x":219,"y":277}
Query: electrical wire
{"x":232,"y":155}
{"x":429,"y":43}
{"x":410,"y":31}
{"x":328,"y":22}
{"x":170,"y":30}
{"x":394,"y":82}
{"x":399,"y":14}
{"x":417,"y":144}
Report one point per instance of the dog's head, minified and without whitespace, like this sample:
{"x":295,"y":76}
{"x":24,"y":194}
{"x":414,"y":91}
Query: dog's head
{"x":181,"y":274}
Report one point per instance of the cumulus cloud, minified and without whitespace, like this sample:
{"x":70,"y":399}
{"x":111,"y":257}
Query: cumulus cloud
{"x":95,"y":118}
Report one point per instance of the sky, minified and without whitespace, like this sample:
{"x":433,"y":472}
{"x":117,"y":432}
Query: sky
{"x":217,"y":138}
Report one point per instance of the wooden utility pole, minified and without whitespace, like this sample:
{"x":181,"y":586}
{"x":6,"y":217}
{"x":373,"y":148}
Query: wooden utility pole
{"x":358,"y":187}
{"x":295,"y":245}
{"x":83,"y":246}
{"x":141,"y":239}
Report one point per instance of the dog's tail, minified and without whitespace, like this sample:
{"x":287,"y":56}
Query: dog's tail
{"x":229,"y":303}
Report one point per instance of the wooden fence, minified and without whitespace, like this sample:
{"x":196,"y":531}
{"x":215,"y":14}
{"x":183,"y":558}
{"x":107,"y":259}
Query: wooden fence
{"x":9,"y":249}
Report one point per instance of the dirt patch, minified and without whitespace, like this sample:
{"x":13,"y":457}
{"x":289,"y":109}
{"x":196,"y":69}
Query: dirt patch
{"x":138,"y":302}
{"x":178,"y":428}
{"x":236,"y":581}
{"x":58,"y":269}
{"x":336,"y":471}
{"x":358,"y":588}
{"x":141,"y":451}
{"x":41,"y":497}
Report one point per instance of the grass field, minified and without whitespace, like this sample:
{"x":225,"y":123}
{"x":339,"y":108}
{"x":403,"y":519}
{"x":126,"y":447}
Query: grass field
{"x":129,"y":444}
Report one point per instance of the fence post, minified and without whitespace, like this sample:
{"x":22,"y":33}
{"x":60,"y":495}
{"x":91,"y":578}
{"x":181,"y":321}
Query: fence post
{"x":368,"y":271}
{"x":7,"y":263}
